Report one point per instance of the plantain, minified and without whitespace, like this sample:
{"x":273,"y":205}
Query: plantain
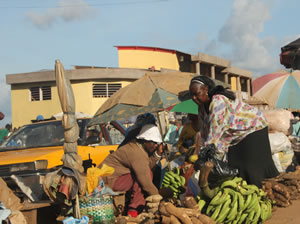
{"x":242,"y":218}
{"x":237,"y":179}
{"x":245,"y":191}
{"x":233,"y":212}
{"x":233,"y":195}
{"x":237,"y":218}
{"x":252,"y":187}
{"x":264,"y":211}
{"x":229,"y":183}
{"x":216,"y":212}
{"x":257,"y":214}
{"x":182,"y":179}
{"x":247,"y":202}
{"x":222,"y":215}
{"x":209,"y":209}
{"x":252,"y":204}
{"x":201,"y":204}
{"x":269,"y":209}
{"x":241,"y":201}
{"x":219,"y":199}
{"x":250,"y":217}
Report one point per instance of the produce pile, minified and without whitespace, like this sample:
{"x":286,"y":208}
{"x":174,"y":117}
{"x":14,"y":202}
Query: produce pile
{"x":174,"y":181}
{"x":169,"y":211}
{"x":284,"y":188}
{"x":236,"y":201}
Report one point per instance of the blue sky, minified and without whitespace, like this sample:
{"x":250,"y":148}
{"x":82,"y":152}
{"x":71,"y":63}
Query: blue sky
{"x":83,"y":32}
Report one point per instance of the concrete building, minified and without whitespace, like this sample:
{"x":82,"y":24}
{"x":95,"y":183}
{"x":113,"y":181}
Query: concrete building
{"x":36,"y":93}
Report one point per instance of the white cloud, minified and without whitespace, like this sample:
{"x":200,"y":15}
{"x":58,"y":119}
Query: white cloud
{"x":66,"y":10}
{"x":241,"y":31}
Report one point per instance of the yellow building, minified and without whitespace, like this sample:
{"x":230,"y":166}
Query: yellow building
{"x":35,"y":93}
{"x":153,"y":58}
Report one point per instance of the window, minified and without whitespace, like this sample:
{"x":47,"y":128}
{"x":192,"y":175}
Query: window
{"x":40,"y":93}
{"x":105,"y":90}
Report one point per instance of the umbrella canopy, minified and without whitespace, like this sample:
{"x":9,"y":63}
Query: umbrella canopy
{"x":290,"y":55}
{"x":151,"y":93}
{"x":279,"y":90}
{"x":188,"y":106}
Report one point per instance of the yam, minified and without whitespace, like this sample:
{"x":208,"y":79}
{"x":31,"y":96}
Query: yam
{"x":281,"y":203}
{"x":206,"y":219}
{"x":195,"y":220}
{"x":163,"y":211}
{"x":154,"y":198}
{"x":191,"y":212}
{"x":280,"y":197}
{"x":280,"y":188}
{"x":174,"y":220}
{"x":190,"y":202}
{"x":173,"y":210}
{"x":166,"y":220}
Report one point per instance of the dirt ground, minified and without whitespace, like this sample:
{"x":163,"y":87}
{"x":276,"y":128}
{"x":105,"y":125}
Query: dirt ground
{"x":289,"y":215}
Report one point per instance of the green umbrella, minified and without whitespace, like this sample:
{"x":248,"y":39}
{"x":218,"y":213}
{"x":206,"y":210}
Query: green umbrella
{"x":188,"y":106}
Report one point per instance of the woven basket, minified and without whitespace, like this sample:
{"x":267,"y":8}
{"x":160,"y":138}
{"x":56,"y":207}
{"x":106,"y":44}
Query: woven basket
{"x":98,"y":209}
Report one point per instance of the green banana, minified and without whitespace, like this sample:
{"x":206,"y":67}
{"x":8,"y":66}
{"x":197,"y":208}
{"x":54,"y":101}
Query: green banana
{"x":252,"y":204}
{"x":242,"y":218}
{"x":243,"y":183}
{"x":209,"y":209}
{"x":262,"y":193}
{"x":233,"y":212}
{"x":245,"y":191}
{"x":216,"y":212}
{"x":237,"y":218}
{"x":269,"y":209}
{"x":252,"y":187}
{"x":264,"y":211}
{"x":237,"y":179}
{"x":175,"y":190}
{"x":219,"y":200}
{"x":182,"y":180}
{"x":247,"y":202}
{"x":241,"y":201}
{"x":250,"y":217}
{"x":229,"y":183}
{"x":222,"y":215}
{"x":257,"y":214}
{"x":201,"y":204}
{"x":233,"y":195}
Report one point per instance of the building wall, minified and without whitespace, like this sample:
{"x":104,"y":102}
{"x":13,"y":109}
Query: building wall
{"x":144,"y":59}
{"x":24,"y":110}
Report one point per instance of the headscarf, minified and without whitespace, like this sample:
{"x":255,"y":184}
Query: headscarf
{"x":150,"y":132}
{"x":212,"y":88}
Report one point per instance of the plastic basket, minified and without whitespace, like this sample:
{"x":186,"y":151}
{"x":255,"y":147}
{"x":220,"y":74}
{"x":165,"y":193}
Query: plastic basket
{"x":97,"y":209}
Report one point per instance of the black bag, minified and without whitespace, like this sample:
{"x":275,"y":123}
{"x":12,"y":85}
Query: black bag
{"x":221,"y":169}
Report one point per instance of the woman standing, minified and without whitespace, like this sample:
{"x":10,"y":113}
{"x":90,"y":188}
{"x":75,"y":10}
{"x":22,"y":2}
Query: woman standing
{"x":238,"y":130}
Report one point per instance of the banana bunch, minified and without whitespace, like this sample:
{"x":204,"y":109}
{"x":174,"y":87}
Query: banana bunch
{"x":238,"y":202}
{"x":174,"y":181}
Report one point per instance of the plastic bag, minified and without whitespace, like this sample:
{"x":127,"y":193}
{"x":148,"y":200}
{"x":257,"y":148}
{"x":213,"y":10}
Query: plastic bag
{"x":94,"y":175}
{"x":221,"y":168}
{"x":279,"y":142}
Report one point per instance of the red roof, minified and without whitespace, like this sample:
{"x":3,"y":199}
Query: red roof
{"x":146,"y":49}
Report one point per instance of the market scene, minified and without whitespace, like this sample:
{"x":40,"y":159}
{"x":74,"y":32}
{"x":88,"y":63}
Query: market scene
{"x":166,"y":137}
{"x":171,"y":147}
